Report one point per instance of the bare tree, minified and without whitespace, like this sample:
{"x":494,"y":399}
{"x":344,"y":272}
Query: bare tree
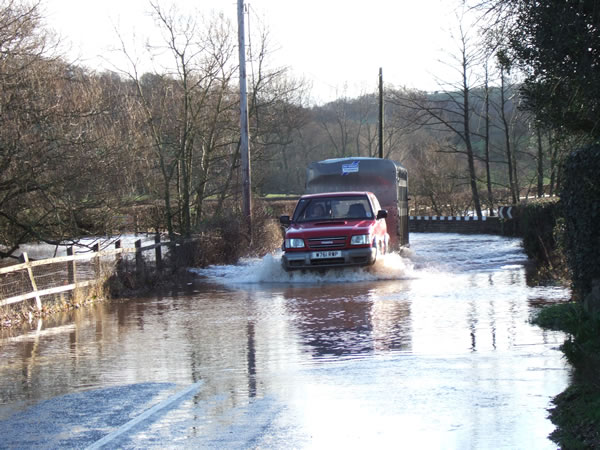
{"x":540,"y":161}
{"x":506,"y":127}
{"x":275,"y":115}
{"x":436,"y":179}
{"x":486,"y":136}
{"x":335,"y":120}
{"x":450,"y":113}
{"x":184,"y":111}
{"x":54,"y":160}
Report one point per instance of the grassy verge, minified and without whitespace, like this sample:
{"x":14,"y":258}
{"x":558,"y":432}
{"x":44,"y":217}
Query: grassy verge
{"x":577,"y":417}
{"x":576,"y":411}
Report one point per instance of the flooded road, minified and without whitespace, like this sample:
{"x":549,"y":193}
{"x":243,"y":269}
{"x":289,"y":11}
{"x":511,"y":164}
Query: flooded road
{"x":433,"y":350}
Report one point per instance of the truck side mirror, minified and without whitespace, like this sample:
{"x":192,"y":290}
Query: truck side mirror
{"x":285,"y":221}
{"x":381,"y":214}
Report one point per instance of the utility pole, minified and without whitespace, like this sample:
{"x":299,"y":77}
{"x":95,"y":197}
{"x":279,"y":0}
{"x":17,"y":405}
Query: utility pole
{"x":244,"y":129}
{"x":381,"y":112}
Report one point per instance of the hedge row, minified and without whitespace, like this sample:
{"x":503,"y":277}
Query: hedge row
{"x":541,"y":225}
{"x":580,"y":198}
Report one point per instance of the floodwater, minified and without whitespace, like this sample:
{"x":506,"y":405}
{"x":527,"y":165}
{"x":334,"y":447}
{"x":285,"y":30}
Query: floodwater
{"x":431,"y":350}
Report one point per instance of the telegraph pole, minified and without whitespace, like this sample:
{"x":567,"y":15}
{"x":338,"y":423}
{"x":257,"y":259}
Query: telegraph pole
{"x":380,"y":113}
{"x":244,"y":129}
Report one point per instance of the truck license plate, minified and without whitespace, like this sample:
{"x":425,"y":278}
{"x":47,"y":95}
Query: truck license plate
{"x":326,"y":254}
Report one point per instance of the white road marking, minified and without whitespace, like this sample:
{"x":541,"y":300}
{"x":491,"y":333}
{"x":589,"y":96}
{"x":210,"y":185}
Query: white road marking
{"x":145,"y":415}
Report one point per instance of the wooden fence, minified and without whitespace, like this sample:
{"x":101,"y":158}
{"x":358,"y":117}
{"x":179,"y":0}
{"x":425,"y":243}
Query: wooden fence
{"x":49,"y":277}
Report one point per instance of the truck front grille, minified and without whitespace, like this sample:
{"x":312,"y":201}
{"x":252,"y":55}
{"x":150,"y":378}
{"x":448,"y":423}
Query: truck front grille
{"x":327,"y":262}
{"x":327,"y":242}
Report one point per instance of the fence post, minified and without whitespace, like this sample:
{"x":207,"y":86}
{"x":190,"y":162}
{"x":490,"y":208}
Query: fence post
{"x":70,"y":267}
{"x":158,"y":253}
{"x":96,"y":249}
{"x":139,"y":260}
{"x":174,"y":257}
{"x":38,"y":300}
{"x":118,"y":256}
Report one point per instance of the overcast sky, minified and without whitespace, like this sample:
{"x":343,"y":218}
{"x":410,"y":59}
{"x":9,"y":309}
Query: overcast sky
{"x":339,"y":45}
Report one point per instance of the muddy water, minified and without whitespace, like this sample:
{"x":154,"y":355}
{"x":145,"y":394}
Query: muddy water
{"x":431,"y":349}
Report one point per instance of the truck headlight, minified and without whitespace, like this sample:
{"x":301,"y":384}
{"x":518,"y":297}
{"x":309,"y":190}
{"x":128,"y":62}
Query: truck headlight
{"x":361,"y":239}
{"x":294,"y":243}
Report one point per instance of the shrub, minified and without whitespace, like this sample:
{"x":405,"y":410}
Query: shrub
{"x":577,"y":416}
{"x":580,"y":197}
{"x":225,"y":237}
{"x":562,"y":316}
{"x":538,"y":221}
{"x":543,"y":228}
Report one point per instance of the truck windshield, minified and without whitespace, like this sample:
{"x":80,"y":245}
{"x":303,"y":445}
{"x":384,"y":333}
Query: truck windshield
{"x":333,"y":208}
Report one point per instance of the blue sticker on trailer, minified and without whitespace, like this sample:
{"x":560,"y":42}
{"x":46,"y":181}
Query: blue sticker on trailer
{"x":350,"y":168}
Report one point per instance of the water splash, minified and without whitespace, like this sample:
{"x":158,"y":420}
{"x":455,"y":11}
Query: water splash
{"x":462,"y":256}
{"x":269,"y":270}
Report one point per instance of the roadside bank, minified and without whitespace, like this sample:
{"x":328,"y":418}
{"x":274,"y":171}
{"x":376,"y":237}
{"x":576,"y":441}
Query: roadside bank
{"x":563,"y":238}
{"x":576,"y":411}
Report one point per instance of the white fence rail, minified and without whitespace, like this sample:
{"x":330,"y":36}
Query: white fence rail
{"x":36,"y":279}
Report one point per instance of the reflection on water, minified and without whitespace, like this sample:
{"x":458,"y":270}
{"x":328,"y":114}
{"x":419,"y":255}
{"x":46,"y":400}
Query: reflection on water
{"x":336,"y":320}
{"x":441,"y":333}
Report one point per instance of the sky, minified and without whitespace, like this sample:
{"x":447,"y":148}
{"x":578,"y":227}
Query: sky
{"x":336,"y":45}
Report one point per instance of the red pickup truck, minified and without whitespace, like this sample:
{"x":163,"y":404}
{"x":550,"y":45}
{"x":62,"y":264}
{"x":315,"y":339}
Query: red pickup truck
{"x":335,"y":229}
